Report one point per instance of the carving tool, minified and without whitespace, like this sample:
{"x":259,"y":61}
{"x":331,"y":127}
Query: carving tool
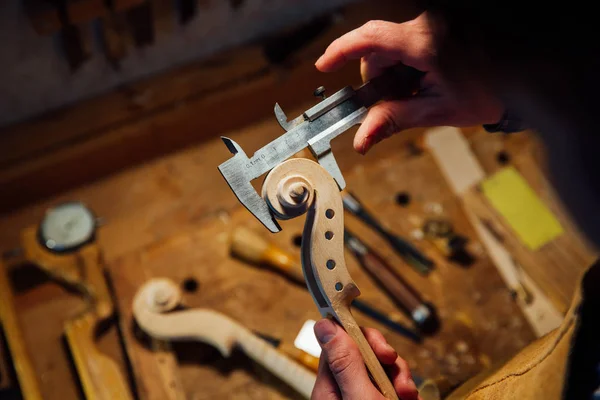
{"x":252,"y":248}
{"x":405,"y":296}
{"x":297,"y":186}
{"x":407,"y":251}
{"x":153,"y":309}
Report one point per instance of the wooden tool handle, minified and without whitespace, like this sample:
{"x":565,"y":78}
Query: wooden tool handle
{"x":251,"y":247}
{"x":393,"y":283}
{"x":287,"y":370}
{"x":309,"y":361}
{"x":377,"y":372}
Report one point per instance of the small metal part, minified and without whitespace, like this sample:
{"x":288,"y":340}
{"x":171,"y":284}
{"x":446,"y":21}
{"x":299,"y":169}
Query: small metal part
{"x":329,"y":103}
{"x":320,"y":92}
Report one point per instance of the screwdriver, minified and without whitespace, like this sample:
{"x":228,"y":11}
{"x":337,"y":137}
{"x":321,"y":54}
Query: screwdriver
{"x":407,"y":251}
{"x":252,"y":248}
{"x":405,"y":296}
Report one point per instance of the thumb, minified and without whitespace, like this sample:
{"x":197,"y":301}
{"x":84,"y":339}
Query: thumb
{"x":344,"y":360}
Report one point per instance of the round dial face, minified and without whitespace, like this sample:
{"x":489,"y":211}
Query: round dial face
{"x":67,"y":226}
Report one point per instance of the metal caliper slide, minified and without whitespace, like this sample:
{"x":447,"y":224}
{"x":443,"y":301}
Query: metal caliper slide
{"x":315,"y":129}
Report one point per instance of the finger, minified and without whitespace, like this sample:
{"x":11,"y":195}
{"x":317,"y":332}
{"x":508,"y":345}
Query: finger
{"x":390,"y":117}
{"x":325,"y":386}
{"x":384,"y":352}
{"x":382,"y":37}
{"x":373,"y":65}
{"x":397,"y":367}
{"x":344,"y":360}
{"x":402,"y":380}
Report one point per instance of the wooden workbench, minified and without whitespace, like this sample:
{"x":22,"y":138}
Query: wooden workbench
{"x":171,"y":217}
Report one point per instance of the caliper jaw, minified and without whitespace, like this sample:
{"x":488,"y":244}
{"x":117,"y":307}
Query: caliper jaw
{"x":320,"y":145}
{"x":233,"y":172}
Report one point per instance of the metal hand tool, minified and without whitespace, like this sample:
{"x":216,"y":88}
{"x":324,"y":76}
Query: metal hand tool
{"x":406,"y":250}
{"x":315,"y":129}
{"x":405,"y":296}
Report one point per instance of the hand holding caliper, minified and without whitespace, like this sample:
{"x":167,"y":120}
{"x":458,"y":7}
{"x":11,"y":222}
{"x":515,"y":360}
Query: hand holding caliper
{"x":298,"y":186}
{"x":315,"y":129}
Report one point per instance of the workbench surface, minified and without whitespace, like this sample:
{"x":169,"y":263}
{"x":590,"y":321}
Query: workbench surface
{"x":172,"y":217}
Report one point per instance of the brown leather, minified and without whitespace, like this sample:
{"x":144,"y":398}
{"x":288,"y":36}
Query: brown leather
{"x":537,"y":372}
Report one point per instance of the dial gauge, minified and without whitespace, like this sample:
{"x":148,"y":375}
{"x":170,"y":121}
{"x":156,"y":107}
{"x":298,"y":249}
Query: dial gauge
{"x":67,"y":227}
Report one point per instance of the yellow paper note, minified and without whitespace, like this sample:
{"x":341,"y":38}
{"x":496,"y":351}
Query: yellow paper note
{"x":517,"y":202}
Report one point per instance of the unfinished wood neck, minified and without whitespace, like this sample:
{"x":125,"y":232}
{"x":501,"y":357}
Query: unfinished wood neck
{"x":300,"y":186}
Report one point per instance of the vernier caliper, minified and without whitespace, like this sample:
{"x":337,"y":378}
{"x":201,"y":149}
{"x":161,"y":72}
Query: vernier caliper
{"x":315,"y":129}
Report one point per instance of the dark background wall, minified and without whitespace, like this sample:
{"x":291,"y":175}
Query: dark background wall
{"x":34,"y":76}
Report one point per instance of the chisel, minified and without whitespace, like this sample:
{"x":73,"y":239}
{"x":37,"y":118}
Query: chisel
{"x":423,"y":314}
{"x":407,"y":251}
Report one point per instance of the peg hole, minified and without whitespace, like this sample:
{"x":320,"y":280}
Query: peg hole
{"x":339,"y":286}
{"x":190,"y":285}
{"x":503,"y":158}
{"x":403,"y":199}
{"x":328,"y":235}
{"x":329,"y":213}
{"x":330,"y":264}
{"x":297,"y":240}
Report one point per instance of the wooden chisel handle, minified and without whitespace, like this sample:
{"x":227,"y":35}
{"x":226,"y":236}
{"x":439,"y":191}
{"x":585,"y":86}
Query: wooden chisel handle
{"x":309,"y":361}
{"x":252,"y":248}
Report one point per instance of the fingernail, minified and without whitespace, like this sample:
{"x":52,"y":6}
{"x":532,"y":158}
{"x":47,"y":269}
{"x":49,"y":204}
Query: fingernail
{"x":366,"y":145}
{"x":408,"y":381}
{"x":325,"y":330}
{"x":390,"y":348}
{"x":318,"y":60}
